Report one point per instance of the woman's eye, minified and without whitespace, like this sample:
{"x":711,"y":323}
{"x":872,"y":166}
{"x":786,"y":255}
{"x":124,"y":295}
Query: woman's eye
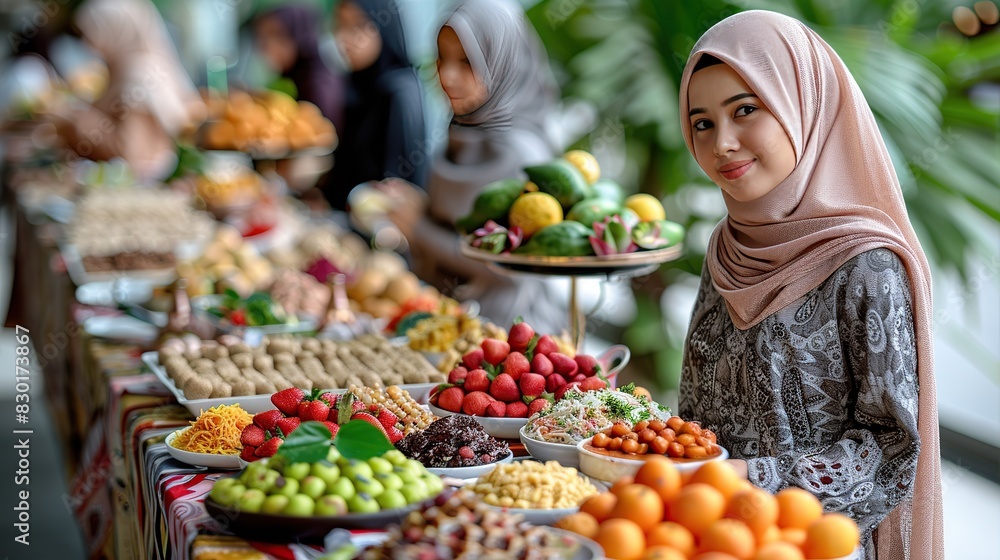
{"x":745,"y":110}
{"x":703,"y":124}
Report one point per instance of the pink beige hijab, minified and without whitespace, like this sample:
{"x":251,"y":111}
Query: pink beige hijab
{"x":842,"y":199}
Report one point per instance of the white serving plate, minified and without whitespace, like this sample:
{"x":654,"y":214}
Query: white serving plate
{"x":110,"y":293}
{"x":610,"y":469}
{"x":254,"y":403}
{"x":471,"y":472}
{"x":506,"y":428}
{"x":209,"y":460}
{"x":565,"y":454}
{"x":121,"y":328}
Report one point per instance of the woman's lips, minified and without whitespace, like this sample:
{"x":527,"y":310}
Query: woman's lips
{"x":737,"y":169}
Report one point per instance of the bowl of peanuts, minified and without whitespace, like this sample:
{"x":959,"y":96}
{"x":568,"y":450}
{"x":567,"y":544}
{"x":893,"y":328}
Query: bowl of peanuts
{"x":622,"y":449}
{"x":542,"y":493}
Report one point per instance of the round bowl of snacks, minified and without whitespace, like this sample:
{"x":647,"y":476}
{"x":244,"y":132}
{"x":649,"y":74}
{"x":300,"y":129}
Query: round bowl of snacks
{"x":553,"y":433}
{"x":542,"y":493}
{"x":457,"y":447}
{"x":621,"y":450}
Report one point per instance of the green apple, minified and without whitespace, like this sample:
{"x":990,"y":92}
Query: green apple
{"x":286,"y":486}
{"x":366,"y":485}
{"x":254,"y":468}
{"x":331,"y":505}
{"x":415,"y":492}
{"x":300,"y":505}
{"x":362,"y":503}
{"x":415,"y":466}
{"x":395,"y":457}
{"x":406,"y":475}
{"x":380,"y":465}
{"x":391,"y":499}
{"x":355,"y":468}
{"x":434,"y":484}
{"x":228,"y":492}
{"x":389,"y":481}
{"x":329,"y":473}
{"x":333,"y":455}
{"x":274,"y":504}
{"x":298,"y":471}
{"x":251,"y":500}
{"x":343,"y":488}
{"x":263,"y":480}
{"x":312,"y":486}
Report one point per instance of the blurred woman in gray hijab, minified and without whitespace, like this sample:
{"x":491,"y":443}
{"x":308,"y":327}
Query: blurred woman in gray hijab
{"x":494,"y":70}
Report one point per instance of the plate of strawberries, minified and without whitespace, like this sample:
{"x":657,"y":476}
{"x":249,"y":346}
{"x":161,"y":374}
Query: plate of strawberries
{"x":502,"y":383}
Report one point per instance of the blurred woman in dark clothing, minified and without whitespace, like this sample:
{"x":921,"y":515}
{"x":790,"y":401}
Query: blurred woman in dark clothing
{"x":288,"y":38}
{"x":383,"y":134}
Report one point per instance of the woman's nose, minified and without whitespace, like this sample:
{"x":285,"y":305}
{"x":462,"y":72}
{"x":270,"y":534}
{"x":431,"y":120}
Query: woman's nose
{"x":726,"y":140}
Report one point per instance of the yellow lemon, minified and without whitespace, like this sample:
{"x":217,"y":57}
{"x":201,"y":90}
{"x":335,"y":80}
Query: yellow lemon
{"x":646,"y":206}
{"x":586,"y":163}
{"x":530,"y":187}
{"x":534,"y":211}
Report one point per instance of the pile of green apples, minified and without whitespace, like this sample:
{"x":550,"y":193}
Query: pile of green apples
{"x":335,"y":486}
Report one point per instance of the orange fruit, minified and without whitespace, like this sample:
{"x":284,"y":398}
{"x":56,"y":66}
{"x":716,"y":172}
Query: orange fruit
{"x":793,"y":536}
{"x":714,"y":556}
{"x":639,"y":503}
{"x":779,"y":550}
{"x":719,"y":475}
{"x":621,"y":539}
{"x":696,"y":506}
{"x":673,"y":535}
{"x":730,"y":536}
{"x":621,"y":483}
{"x":660,"y":474}
{"x":797,"y":508}
{"x":663,"y":553}
{"x":757,"y":508}
{"x":581,"y":523}
{"x":831,"y":536}
{"x":770,"y":535}
{"x":600,"y":505}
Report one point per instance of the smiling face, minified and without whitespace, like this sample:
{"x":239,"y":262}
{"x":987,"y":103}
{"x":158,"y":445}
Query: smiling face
{"x":737,"y":141}
{"x":357,"y":36}
{"x":464,"y":89}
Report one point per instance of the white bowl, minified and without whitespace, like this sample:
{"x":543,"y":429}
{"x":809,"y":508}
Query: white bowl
{"x":610,"y":469}
{"x":566,"y":454}
{"x":471,"y":472}
{"x":506,"y":428}
{"x":210,"y":460}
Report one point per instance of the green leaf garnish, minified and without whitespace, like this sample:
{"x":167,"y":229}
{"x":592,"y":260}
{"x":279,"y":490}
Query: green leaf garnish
{"x":359,"y":440}
{"x":309,"y":443}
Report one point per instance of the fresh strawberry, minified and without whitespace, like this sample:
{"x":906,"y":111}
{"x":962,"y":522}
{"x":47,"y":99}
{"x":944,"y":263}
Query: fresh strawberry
{"x":394,"y":434}
{"x":288,"y":400}
{"x":537,"y":406}
{"x":367,"y":417}
{"x":554,"y":382}
{"x":333,"y":427}
{"x":457,"y":374}
{"x":588,"y":364}
{"x":269,"y":448}
{"x":562,"y":390}
{"x":520,"y":336}
{"x":546,"y":345}
{"x":247,"y":453}
{"x":473,"y":360}
{"x":288,"y":425}
{"x":357,"y":406}
{"x":330,"y":399}
{"x":579,"y":378}
{"x":593,"y":384}
{"x":542,"y":365}
{"x":387,"y":418}
{"x":314,"y":410}
{"x":477,"y":380}
{"x":516,"y":365}
{"x":564,"y":365}
{"x":517,"y":409}
{"x":495,"y":351}
{"x":475,"y":403}
{"x":532,"y":384}
{"x":496,"y":409}
{"x":267,"y":420}
{"x":252,"y":435}
{"x":504,"y":388}
{"x":451,"y":399}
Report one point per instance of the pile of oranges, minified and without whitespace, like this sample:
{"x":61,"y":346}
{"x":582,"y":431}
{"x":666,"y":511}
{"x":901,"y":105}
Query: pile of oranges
{"x":713,"y":515}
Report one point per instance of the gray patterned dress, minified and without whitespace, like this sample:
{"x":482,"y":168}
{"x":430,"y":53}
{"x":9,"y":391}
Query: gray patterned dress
{"x":822,"y":394}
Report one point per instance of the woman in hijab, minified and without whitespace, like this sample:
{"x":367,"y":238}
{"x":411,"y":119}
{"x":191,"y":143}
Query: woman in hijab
{"x":809,"y":351}
{"x":288,"y":39}
{"x":493,"y":69}
{"x":149,"y":98}
{"x":383,"y":134}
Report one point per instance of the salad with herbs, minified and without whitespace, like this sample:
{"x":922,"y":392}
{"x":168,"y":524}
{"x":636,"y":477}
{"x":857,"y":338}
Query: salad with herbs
{"x":579,"y":415}
{"x":256,"y":310}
